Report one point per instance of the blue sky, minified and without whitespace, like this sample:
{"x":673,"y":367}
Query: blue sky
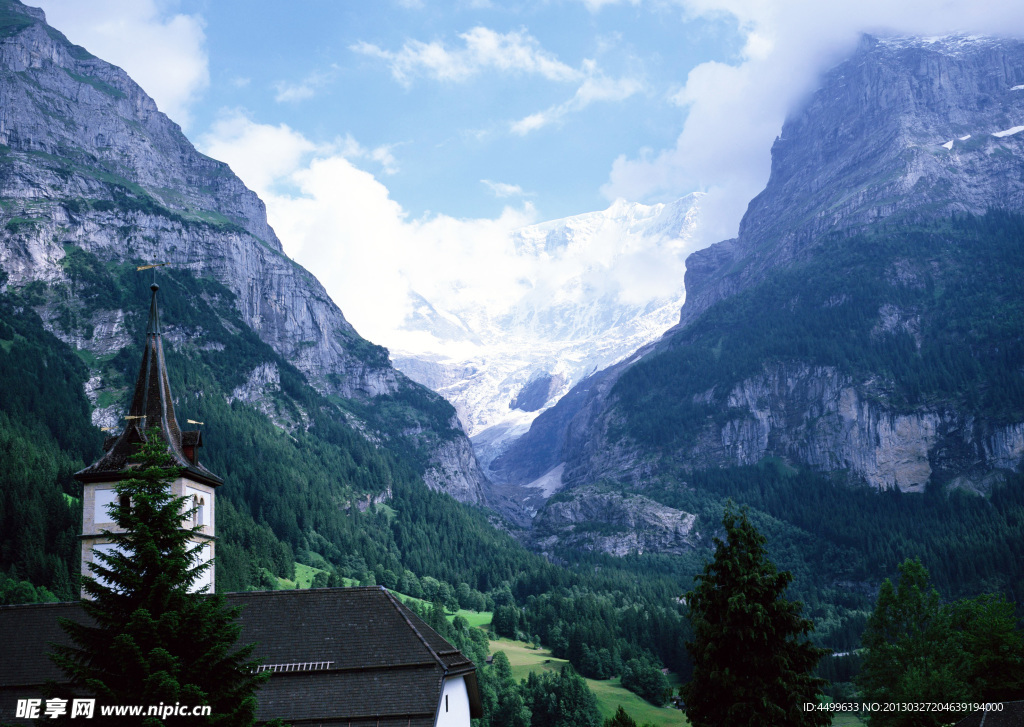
{"x":399,"y":143}
{"x":442,"y":87}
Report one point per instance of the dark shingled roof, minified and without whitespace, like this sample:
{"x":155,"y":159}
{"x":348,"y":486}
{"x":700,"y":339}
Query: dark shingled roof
{"x":152,"y":406}
{"x":386,"y":663}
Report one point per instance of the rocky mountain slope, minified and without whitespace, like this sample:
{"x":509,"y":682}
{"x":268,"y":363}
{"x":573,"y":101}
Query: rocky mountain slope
{"x":88,"y":163}
{"x":866,"y":322}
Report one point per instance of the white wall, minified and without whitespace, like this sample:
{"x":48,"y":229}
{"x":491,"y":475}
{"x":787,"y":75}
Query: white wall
{"x":104,"y":498}
{"x":454,"y":708}
{"x":206,"y":579}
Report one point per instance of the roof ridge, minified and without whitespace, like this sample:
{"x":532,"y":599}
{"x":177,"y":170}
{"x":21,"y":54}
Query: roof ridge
{"x":399,"y":607}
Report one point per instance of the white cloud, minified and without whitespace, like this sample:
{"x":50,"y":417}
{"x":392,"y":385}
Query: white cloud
{"x":340,"y":222}
{"x":304,"y":89}
{"x":265,"y":156}
{"x":595,"y":5}
{"x":501,"y":189}
{"x":595,"y":87}
{"x":484,"y":49}
{"x":164,"y":53}
{"x":734,"y":111}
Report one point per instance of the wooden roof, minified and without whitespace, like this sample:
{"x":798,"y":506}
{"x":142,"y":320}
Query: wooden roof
{"x":343,"y":655}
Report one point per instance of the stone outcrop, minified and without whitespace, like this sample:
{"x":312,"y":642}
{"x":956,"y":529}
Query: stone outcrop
{"x":615,"y":523}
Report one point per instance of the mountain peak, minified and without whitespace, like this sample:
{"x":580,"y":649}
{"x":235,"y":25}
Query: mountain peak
{"x":14,"y":6}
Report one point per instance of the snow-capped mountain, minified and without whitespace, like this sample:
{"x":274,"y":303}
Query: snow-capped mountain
{"x":601,"y":284}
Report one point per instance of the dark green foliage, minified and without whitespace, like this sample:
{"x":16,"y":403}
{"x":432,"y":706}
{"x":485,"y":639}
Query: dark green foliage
{"x":503,"y":704}
{"x":919,"y":649}
{"x":45,"y":436}
{"x":963,"y":278}
{"x":152,"y":641}
{"x":620,"y":719}
{"x":624,"y":612}
{"x":506,"y":621}
{"x":560,"y":699}
{"x":752,"y":663}
{"x":644,"y":678}
{"x":838,"y":539}
{"x":14,"y":591}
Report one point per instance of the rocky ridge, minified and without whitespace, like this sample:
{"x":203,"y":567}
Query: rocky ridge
{"x":88,"y":161}
{"x":904,"y":132}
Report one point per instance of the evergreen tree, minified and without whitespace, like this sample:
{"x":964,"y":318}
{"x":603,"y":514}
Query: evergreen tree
{"x":644,"y":678}
{"x":752,"y":664}
{"x":151,"y":641}
{"x":919,"y":649}
{"x":510,"y":710}
{"x":560,"y":699}
{"x":620,"y":719}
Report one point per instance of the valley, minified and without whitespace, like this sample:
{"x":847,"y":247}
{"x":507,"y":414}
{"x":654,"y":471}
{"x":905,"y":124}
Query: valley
{"x":847,"y":369}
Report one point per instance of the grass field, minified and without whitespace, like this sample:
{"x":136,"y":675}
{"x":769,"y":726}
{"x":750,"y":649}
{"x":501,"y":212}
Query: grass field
{"x":303,"y":575}
{"x":478,"y":619}
{"x":525,"y":659}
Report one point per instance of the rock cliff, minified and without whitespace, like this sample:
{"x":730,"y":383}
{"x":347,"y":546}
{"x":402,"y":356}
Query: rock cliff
{"x":902,"y":137}
{"x":88,"y":162}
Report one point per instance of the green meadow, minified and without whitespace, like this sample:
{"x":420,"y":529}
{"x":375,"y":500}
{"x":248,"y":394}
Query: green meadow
{"x":610,"y":694}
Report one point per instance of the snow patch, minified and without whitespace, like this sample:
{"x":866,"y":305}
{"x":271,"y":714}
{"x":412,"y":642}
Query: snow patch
{"x":550,"y":482}
{"x":1009,"y":132}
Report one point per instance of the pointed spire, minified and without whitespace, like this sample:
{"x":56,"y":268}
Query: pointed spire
{"x":154,"y":313}
{"x":152,"y":406}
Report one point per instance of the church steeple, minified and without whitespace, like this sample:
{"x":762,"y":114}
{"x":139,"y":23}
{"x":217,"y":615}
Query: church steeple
{"x":152,"y":407}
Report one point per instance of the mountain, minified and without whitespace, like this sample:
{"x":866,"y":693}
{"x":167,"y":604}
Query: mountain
{"x":865,"y":328}
{"x":93,"y":179}
{"x":595,"y":291}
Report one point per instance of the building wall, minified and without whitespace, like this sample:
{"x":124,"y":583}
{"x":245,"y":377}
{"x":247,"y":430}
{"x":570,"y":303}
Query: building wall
{"x":453,"y":711}
{"x":94,"y":520}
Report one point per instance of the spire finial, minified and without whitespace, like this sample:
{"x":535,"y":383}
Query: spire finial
{"x":154,"y":313}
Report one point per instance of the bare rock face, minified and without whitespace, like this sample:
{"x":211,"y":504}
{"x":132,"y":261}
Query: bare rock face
{"x":88,"y":161}
{"x":454,"y":470}
{"x":906,"y":129}
{"x":614,"y":523}
{"x":906,"y":132}
{"x":818,"y":417}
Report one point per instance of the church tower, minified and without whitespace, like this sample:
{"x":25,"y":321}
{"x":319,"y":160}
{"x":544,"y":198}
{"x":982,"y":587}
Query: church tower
{"x":152,"y":406}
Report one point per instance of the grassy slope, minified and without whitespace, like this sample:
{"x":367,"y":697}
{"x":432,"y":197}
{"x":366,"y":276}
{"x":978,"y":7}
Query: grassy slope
{"x":610,"y":693}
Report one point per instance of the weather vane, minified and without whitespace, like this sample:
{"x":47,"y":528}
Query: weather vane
{"x":152,"y":266}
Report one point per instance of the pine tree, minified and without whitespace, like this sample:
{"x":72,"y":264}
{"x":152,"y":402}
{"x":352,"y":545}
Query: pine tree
{"x":620,"y":719}
{"x":751,"y":661}
{"x":151,"y":640}
{"x":920,"y":650}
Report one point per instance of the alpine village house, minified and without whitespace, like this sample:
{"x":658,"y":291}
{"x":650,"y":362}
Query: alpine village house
{"x":338,"y":656}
